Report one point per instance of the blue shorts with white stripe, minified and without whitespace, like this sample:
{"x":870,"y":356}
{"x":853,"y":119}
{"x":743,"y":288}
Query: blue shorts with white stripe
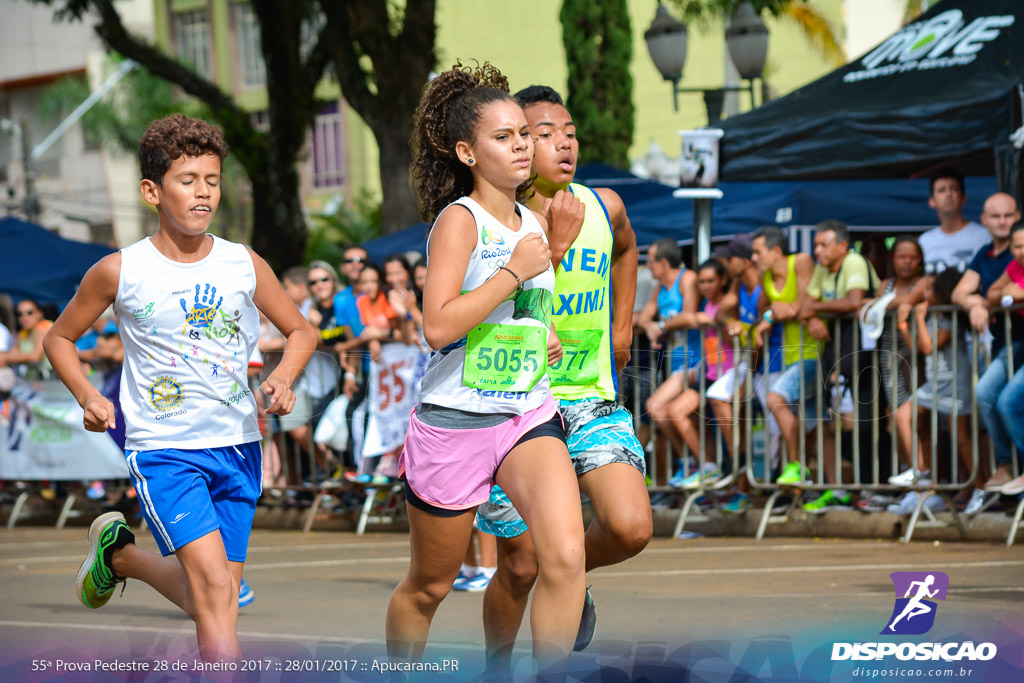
{"x":188,"y":493}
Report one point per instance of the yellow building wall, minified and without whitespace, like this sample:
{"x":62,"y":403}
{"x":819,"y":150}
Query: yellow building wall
{"x":523,"y":38}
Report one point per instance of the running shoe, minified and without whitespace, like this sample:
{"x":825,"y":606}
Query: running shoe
{"x":96,"y":579}
{"x":588,"y":624}
{"x":828,"y":501}
{"x":1013,"y":487}
{"x":909,"y":502}
{"x":465,"y":575}
{"x":96,"y":491}
{"x":736,"y":503}
{"x":473,"y":584}
{"x":997,"y":480}
{"x":245,"y":594}
{"x":875,"y":502}
{"x":677,"y":479}
{"x":908,"y":477}
{"x":793,"y":474}
{"x":708,"y":472}
{"x":980,"y":501}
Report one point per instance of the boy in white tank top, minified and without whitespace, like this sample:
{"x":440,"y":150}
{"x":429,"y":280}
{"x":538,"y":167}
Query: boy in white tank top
{"x":187,"y":307}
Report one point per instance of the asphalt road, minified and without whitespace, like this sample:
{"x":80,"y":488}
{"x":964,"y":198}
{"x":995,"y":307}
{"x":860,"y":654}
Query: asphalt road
{"x":708,"y":603}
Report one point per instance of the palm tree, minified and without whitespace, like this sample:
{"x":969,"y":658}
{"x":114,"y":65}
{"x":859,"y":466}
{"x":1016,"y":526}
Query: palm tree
{"x":815,"y":27}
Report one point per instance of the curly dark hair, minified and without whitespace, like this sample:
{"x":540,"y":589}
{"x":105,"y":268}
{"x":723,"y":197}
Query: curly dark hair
{"x":448,"y":113}
{"x":167,"y":139}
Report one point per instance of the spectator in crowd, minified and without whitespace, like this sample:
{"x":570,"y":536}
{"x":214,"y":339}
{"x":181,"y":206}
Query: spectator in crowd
{"x":953,"y":243}
{"x":380,"y":321}
{"x":28,"y":350}
{"x":296,"y":424}
{"x":402,"y":296}
{"x":419,"y":278}
{"x":7,"y":323}
{"x":1009,"y":290}
{"x":839,"y":285}
{"x":741,"y":301}
{"x":905,"y":281}
{"x":946,"y":362}
{"x":999,"y":215}
{"x":673,"y":303}
{"x":783,"y":289}
{"x":322,"y":370}
{"x":346,"y":313}
{"x":712,"y":282}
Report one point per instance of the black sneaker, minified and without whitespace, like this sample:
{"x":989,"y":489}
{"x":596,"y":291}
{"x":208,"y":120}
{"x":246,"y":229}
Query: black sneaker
{"x":588,"y":624}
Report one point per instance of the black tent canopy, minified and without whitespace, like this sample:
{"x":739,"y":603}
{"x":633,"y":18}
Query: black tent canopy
{"x":944,"y":89}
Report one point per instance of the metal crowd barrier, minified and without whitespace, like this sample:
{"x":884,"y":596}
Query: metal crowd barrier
{"x":761,"y":477}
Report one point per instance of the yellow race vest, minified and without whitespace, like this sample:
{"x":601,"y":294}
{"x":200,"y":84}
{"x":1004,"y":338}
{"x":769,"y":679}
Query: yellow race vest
{"x":582,"y":310}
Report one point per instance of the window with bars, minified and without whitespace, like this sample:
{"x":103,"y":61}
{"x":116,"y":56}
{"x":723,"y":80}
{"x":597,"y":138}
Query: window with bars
{"x":254,"y":72}
{"x":193,"y":33}
{"x":328,"y":147}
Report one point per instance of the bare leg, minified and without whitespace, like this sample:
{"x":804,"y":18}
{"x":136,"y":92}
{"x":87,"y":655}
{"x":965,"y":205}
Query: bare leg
{"x":657,"y":407}
{"x":539,"y":479}
{"x":166,"y":574}
{"x":681,"y":413}
{"x":723,"y":413}
{"x":506,"y":597}
{"x":437,"y":545}
{"x":789,"y":424}
{"x":488,"y":549}
{"x":622,"y":523}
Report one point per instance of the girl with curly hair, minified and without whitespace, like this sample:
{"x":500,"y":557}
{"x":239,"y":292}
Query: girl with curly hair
{"x":486,"y":413}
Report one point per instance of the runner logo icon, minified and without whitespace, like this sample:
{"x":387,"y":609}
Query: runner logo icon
{"x":916,"y":593}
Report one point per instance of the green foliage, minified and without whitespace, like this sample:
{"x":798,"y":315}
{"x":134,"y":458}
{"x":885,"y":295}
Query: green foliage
{"x":704,"y":12}
{"x":331,"y":234}
{"x":122,"y":116}
{"x":598,"y":49}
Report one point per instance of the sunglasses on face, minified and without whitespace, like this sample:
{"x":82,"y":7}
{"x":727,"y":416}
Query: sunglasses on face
{"x":354,"y":259}
{"x":319,"y":280}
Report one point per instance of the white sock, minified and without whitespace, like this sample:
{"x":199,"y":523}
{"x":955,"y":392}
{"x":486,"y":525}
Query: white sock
{"x":469,"y":571}
{"x":487,"y":571}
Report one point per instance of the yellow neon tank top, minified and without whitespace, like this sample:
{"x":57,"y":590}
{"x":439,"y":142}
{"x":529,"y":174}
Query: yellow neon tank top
{"x":790,"y":328}
{"x":583,"y":308}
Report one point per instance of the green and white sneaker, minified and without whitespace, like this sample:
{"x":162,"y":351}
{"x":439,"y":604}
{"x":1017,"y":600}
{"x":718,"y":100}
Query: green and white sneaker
{"x":828,"y":501}
{"x":793,"y":474}
{"x":96,"y":579}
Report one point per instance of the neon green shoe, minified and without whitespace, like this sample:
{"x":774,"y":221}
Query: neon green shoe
{"x":793,"y":474}
{"x":828,"y":501}
{"x":96,"y":579}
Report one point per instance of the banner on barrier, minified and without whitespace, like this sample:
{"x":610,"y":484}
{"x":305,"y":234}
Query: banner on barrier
{"x":394,"y":390}
{"x":43,"y":438}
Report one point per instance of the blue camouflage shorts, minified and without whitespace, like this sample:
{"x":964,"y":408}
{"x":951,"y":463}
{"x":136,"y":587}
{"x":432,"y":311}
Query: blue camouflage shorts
{"x":597,"y":433}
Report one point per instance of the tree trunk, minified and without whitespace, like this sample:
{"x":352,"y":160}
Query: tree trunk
{"x":399,"y":209}
{"x":278,"y":223}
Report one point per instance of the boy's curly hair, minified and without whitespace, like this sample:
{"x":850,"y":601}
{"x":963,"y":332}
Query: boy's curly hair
{"x":167,"y":139}
{"x":448,"y":113}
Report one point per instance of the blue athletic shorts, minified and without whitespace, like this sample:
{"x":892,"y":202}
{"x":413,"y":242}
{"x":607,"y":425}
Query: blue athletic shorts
{"x":186,"y":494}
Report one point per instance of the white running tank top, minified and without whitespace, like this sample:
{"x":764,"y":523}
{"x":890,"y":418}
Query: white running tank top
{"x":188,"y":331}
{"x":443,"y":382}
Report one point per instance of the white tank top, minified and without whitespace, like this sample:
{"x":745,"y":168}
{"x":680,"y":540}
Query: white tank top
{"x":528,"y":314}
{"x":188,"y":331}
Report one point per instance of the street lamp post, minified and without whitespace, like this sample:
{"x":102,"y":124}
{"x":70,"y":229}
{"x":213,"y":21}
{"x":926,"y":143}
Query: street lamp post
{"x":746,"y":38}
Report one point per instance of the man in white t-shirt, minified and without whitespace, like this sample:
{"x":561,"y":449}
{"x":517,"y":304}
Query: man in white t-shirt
{"x":955,"y":241}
